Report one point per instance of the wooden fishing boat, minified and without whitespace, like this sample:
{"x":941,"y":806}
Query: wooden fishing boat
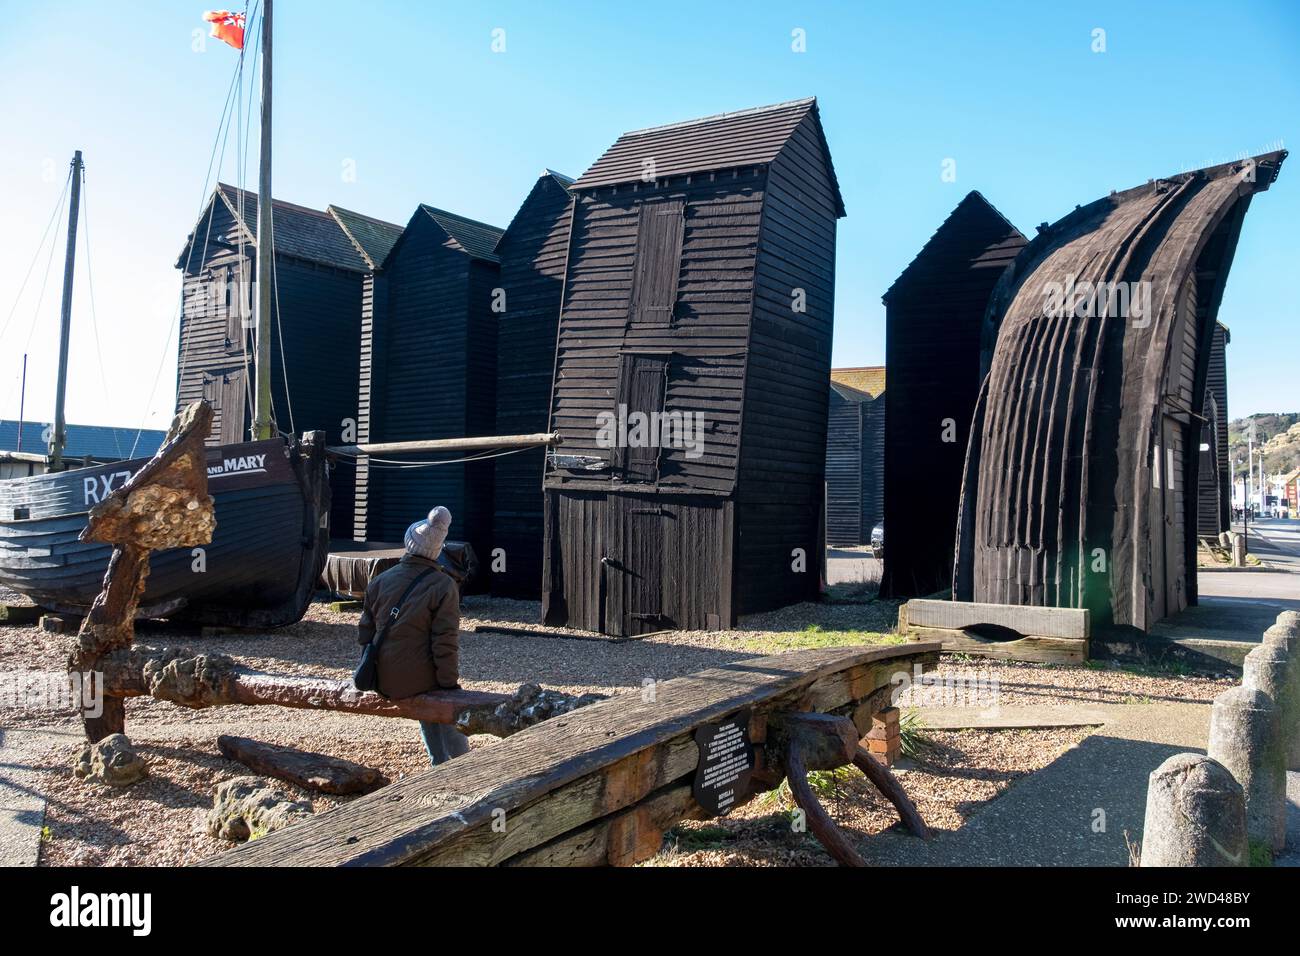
{"x":270,"y":544}
{"x":271,"y":494}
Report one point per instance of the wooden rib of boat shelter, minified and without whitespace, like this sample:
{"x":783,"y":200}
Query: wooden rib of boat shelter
{"x":855,"y":459}
{"x":532,"y":252}
{"x":934,"y":314}
{"x":431,"y":373}
{"x":1083,"y":443}
{"x":700,"y":280}
{"x":319,"y":276}
{"x":1214,"y":511}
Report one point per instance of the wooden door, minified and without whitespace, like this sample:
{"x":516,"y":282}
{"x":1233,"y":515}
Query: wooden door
{"x":643,"y":548}
{"x":632,"y":567}
{"x":225,"y":391}
{"x":642,"y":385}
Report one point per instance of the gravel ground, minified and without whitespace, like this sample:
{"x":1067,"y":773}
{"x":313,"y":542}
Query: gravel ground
{"x":953,"y":775}
{"x":161,"y":821}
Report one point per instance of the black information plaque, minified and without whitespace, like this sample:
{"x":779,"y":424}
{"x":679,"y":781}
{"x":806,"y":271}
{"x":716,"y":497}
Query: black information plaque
{"x":726,"y":761}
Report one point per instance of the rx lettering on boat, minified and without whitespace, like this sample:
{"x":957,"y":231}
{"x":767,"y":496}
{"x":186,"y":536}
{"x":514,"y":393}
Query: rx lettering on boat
{"x":99,"y":487}
{"x":242,"y":465}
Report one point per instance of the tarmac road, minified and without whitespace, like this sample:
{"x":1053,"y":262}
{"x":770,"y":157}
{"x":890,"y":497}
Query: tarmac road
{"x":1277,"y":542}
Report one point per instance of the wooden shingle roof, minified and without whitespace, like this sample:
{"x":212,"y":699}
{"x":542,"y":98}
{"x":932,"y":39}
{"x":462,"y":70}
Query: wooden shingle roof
{"x":867,"y":379}
{"x":750,"y":137}
{"x":476,"y":239}
{"x":300,"y":232}
{"x":373,"y":238}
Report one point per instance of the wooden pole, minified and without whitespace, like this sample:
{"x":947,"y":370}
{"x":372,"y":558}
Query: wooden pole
{"x":263,"y":424}
{"x":22,"y":404}
{"x":479,"y":443}
{"x":60,"y":437}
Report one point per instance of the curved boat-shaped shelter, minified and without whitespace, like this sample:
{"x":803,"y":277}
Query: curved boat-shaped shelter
{"x":1081,"y":473}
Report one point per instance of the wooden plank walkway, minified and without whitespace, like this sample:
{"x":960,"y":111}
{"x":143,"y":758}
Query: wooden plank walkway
{"x":598,"y":785}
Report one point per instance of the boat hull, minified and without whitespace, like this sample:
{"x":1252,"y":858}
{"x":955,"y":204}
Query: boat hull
{"x":269,"y":546}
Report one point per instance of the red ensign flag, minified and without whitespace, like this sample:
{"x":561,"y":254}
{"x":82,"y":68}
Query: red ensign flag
{"x":227,"y":27}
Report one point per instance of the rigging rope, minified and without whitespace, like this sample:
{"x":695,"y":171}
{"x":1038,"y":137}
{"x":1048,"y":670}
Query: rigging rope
{"x":394,"y":463}
{"x":44,"y":279}
{"x":214,"y":158}
{"x":94,"y":317}
{"x":279,"y":331}
{"x":37,"y":254}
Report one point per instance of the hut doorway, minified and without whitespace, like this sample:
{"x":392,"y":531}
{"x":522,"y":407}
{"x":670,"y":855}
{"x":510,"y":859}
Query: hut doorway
{"x":1171,"y":475}
{"x":634,"y":568}
{"x":643,"y":538}
{"x":225,"y":392}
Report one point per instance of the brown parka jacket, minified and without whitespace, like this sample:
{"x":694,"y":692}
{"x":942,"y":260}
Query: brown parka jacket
{"x":422,"y":649}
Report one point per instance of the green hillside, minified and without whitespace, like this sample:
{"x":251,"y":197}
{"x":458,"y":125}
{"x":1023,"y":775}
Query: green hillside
{"x":1278,"y":434}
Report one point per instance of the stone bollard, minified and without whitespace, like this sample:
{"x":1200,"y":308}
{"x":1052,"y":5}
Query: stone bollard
{"x":1288,"y":638}
{"x":1238,"y":550}
{"x":1243,"y":737}
{"x":1196,"y":815}
{"x":1268,"y":668}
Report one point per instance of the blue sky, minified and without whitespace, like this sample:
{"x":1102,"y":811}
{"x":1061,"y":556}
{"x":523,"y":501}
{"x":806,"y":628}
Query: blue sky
{"x":414,"y":96}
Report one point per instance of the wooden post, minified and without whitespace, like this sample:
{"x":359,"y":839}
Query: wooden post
{"x":263,"y":425}
{"x":163,"y":505}
{"x":60,"y":437}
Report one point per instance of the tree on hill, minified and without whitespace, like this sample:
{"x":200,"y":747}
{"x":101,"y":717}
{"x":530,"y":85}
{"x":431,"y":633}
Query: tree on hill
{"x":1277,"y":437}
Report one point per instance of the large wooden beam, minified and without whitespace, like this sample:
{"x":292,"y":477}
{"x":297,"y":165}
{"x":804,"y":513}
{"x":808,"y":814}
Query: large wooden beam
{"x":599,"y":782}
{"x":212,"y":680}
{"x":480,"y":443}
{"x":1010,"y":632}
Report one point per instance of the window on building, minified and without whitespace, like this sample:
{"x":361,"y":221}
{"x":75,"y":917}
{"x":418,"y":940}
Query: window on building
{"x":658,"y":260}
{"x":642,"y":384}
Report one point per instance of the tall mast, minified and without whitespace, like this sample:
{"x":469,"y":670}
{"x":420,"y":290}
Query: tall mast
{"x":263,"y":426}
{"x":60,"y":437}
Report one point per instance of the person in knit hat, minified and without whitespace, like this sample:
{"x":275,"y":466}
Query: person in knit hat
{"x":421,"y":650}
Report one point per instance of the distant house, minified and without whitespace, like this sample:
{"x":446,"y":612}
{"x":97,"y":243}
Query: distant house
{"x":1214,"y":478}
{"x":934,"y":323}
{"x":855,"y":455}
{"x":532,"y":252}
{"x":699,"y":292}
{"x":97,"y":443}
{"x":1291,"y":492}
{"x":430,"y":356}
{"x":320,"y":270}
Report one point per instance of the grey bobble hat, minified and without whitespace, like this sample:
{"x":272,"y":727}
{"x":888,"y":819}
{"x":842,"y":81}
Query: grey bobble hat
{"x":425,"y":538}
